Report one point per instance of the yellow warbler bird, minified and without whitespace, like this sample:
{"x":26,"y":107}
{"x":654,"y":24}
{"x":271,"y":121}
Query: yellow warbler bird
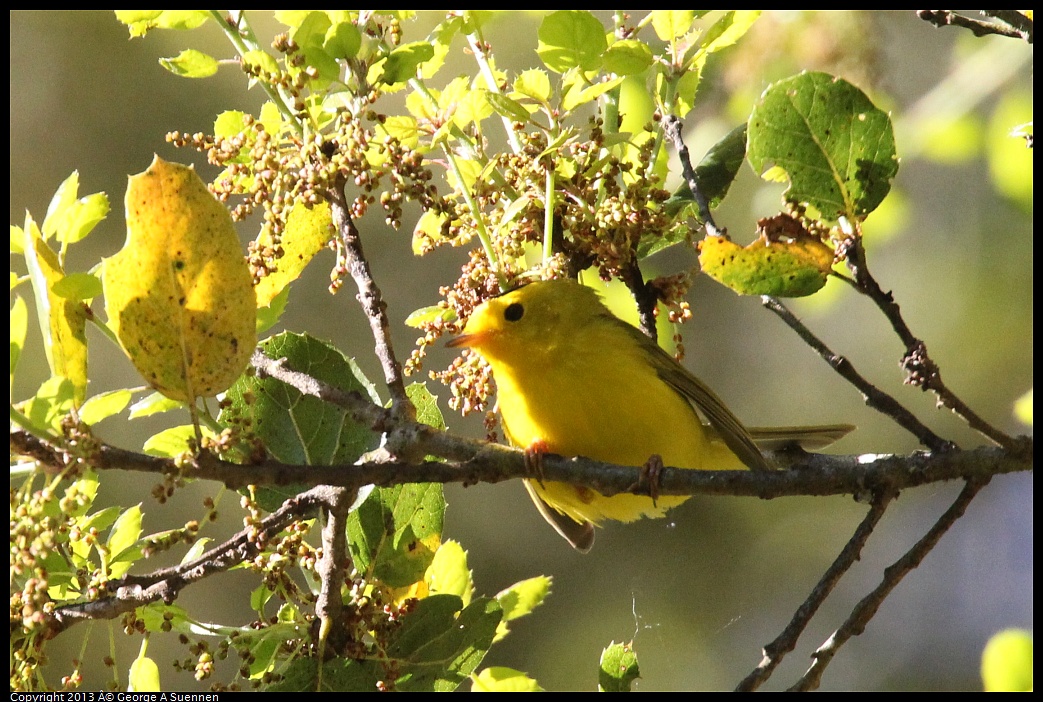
{"x":574,"y":379}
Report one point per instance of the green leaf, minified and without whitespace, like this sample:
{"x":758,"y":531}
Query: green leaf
{"x":48,"y":407}
{"x":402,"y":62}
{"x":171,"y":442}
{"x":576,"y":97}
{"x":618,"y":668}
{"x":670,"y":24}
{"x":190,"y":64}
{"x":715,"y":173}
{"x":501,"y":679}
{"x":533,"y":83}
{"x":448,"y":573}
{"x":426,"y":315}
{"x":342,"y":40}
{"x":571,"y":39}
{"x":123,"y":536}
{"x":628,"y":57}
{"x":297,"y":428}
{"x":1006,"y":662}
{"x":104,"y":405}
{"x":728,"y":29}
{"x":520,"y":599}
{"x":395,"y":532}
{"x":141,"y":21}
{"x":154,"y":403}
{"x":835,"y":146}
{"x":78,"y":286}
{"x":506,"y":107}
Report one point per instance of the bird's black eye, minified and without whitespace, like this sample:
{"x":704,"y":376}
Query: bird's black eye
{"x":514,"y":312}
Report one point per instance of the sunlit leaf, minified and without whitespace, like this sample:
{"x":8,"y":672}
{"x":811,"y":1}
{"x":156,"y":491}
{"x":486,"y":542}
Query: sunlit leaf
{"x":179,"y":293}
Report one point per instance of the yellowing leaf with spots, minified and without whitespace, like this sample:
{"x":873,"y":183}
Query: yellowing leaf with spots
{"x":307,"y":231}
{"x":178,"y":294}
{"x":788,"y":266}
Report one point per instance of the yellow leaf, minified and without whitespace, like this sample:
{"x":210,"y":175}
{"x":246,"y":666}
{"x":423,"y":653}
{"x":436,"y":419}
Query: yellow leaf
{"x":787,"y":266}
{"x":178,"y":294}
{"x":306,"y":233}
{"x":63,"y":322}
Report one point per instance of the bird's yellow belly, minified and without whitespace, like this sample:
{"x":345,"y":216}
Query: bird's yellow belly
{"x":624,"y":420}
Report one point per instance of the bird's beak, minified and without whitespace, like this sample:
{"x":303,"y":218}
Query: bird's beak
{"x":465,"y":340}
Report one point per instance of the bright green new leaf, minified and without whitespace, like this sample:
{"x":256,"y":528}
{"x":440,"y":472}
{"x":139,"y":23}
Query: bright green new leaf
{"x":46,"y":409}
{"x":779,"y":268}
{"x":532,"y":83}
{"x":728,"y":30}
{"x":670,"y":24}
{"x":571,"y":39}
{"x":104,"y":405}
{"x":501,"y":679}
{"x":154,"y":403}
{"x":836,"y":147}
{"x":432,"y":313}
{"x":576,"y":97}
{"x":506,"y":107}
{"x":190,"y":64}
{"x":179,"y":293}
{"x":628,"y":57}
{"x":448,"y":573}
{"x":520,"y":599}
{"x":618,"y":668}
{"x":170,"y":443}
{"x":141,"y":21}
{"x":78,"y":286}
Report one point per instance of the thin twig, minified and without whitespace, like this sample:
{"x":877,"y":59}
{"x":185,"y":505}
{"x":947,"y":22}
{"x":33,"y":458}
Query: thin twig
{"x":775,"y":651}
{"x":370,"y":298}
{"x":874,"y":397}
{"x":922,"y":371}
{"x":331,"y":568}
{"x":1021,"y":29}
{"x":133,"y":591}
{"x":893,"y":574}
{"x":672,"y":129}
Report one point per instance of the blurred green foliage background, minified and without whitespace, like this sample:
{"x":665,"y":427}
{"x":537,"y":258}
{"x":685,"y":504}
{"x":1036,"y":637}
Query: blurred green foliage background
{"x":701,"y":591}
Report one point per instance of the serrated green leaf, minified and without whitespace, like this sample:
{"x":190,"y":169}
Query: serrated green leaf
{"x":618,"y":668}
{"x":190,"y":63}
{"x":229,"y":123}
{"x":571,"y":39}
{"x":448,"y":573}
{"x":426,"y":405}
{"x":533,"y":83}
{"x":728,"y":29}
{"x":837,"y":148}
{"x":342,"y":40}
{"x":500,"y":679}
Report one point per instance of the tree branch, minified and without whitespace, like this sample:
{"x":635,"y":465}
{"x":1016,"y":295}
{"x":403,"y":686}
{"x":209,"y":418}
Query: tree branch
{"x":775,"y":651}
{"x":1016,"y":25}
{"x":893,"y":574}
